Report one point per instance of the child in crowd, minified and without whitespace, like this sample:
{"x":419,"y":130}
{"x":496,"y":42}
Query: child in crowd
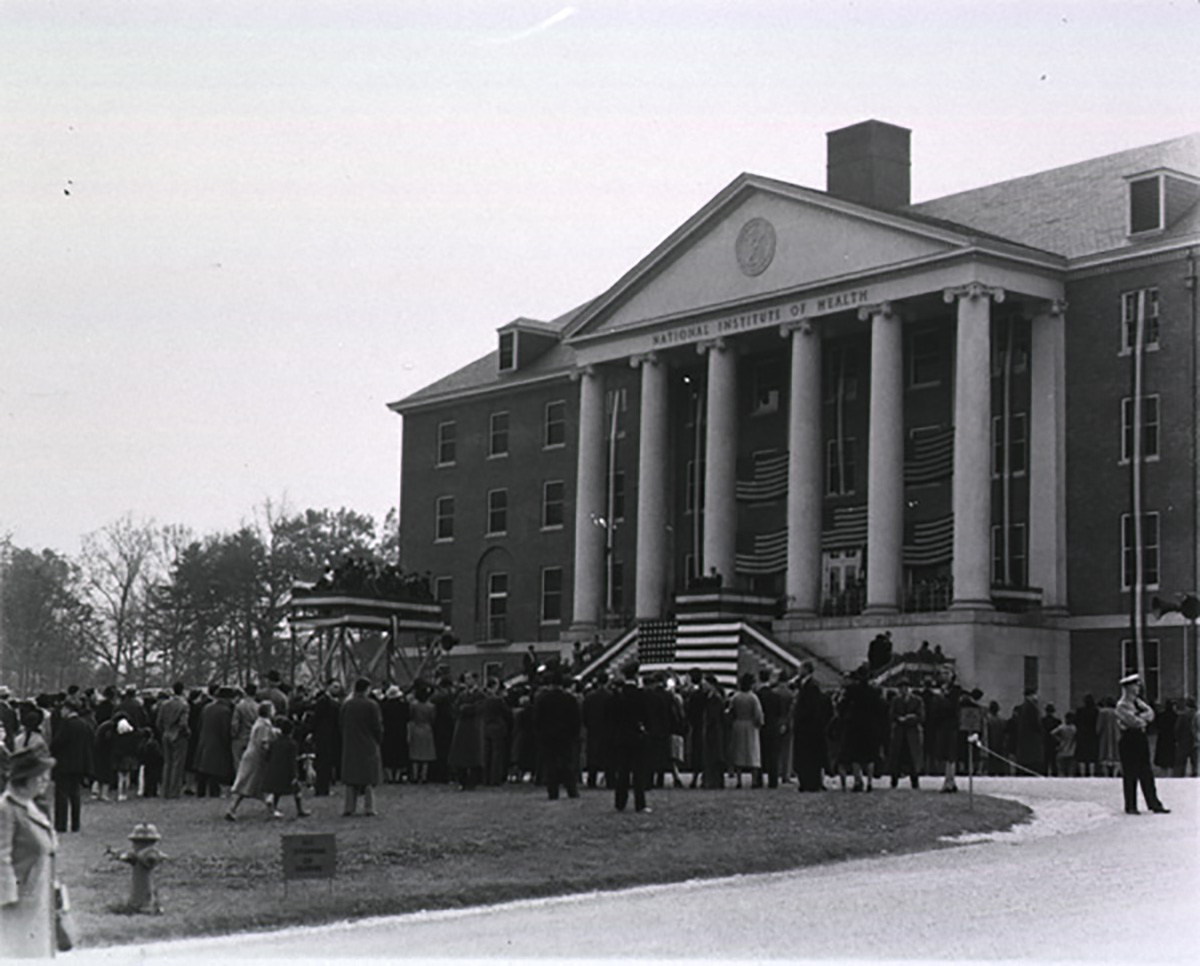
{"x":283,"y":765}
{"x":150,"y":754}
{"x":1064,"y":737}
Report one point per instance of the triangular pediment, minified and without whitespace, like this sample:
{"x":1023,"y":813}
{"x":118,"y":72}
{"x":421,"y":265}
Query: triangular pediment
{"x":756,"y":239}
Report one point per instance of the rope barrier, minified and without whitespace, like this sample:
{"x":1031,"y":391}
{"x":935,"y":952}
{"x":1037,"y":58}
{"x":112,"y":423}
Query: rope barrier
{"x":974,"y":740}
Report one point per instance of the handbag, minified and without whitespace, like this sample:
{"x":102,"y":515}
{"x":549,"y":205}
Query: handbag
{"x":65,"y":932}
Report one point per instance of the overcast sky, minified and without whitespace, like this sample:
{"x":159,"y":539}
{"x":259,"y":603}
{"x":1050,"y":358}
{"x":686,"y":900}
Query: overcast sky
{"x":232,"y":232}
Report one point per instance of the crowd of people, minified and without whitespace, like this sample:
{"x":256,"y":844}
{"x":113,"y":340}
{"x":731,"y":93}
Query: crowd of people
{"x":267,"y":741}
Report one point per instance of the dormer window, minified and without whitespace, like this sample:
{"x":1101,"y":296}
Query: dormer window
{"x":1158,"y":199}
{"x":1146,"y":204}
{"x":508,"y":351}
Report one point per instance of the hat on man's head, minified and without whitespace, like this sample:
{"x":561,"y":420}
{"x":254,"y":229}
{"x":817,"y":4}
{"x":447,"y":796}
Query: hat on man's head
{"x":1130,"y":679}
{"x":26,"y":765}
{"x":4,"y":692}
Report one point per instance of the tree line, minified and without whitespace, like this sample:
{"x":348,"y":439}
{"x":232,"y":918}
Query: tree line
{"x":152,"y":603}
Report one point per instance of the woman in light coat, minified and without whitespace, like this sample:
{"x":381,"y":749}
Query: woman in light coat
{"x":745,"y":710}
{"x":27,"y":845}
{"x":251,"y":775}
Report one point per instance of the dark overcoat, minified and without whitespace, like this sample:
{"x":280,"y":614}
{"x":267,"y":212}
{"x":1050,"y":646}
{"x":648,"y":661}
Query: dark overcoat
{"x":214,"y":747}
{"x":466,"y":747}
{"x":362,"y":731}
{"x":595,"y":720}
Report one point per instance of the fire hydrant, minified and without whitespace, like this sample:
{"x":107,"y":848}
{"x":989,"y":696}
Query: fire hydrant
{"x":143,"y":857}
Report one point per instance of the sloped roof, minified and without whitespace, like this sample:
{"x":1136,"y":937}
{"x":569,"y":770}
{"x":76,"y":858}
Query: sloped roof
{"x":485,"y":371}
{"x":1076,"y":210}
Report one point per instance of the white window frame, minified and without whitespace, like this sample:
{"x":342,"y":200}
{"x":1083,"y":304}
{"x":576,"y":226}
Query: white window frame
{"x":512,"y":337}
{"x":1153,"y":329}
{"x":1018,"y":546}
{"x":848,"y":445}
{"x":1149,"y":547}
{"x":440,"y":514}
{"x":450,"y":425}
{"x":1017,"y":443}
{"x":501,"y":493}
{"x":1127,"y":428}
{"x":493,"y":453}
{"x":497,"y":597}
{"x":1152,"y":672}
{"x":548,"y":594}
{"x":444,"y":600}
{"x":547,"y":423}
{"x":1162,"y":206}
{"x":547,"y":503}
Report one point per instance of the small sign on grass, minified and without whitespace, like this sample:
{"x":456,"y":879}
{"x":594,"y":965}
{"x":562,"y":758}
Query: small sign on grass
{"x":309,"y":857}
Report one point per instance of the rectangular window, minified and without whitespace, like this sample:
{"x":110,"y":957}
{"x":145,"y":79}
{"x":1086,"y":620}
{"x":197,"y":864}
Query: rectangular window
{"x":1148,"y":299}
{"x":1150,"y":424}
{"x":839,"y":467}
{"x":444,"y":517}
{"x":497,"y":608}
{"x":924,"y":360}
{"x":768,"y":386}
{"x":841,"y":374}
{"x":1149,"y":551}
{"x":497,"y":501}
{"x":446,"y":436}
{"x":552,"y":504}
{"x":619,"y":398}
{"x":556,"y":424}
{"x":498,"y":435}
{"x":618,"y":587}
{"x":1018,"y":445}
{"x":618,"y":496}
{"x":552,"y":592}
{"x":1014,"y":574}
{"x":1145,"y":205}
{"x":443,"y":593}
{"x":1031,"y":672}
{"x":1150,"y":673}
{"x":508,"y":351}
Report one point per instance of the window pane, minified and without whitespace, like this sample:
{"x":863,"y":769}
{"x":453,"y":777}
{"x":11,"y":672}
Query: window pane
{"x":499,"y":434}
{"x":447,"y":433}
{"x":556,"y":425}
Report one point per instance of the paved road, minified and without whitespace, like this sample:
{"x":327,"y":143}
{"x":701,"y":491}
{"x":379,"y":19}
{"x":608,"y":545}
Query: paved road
{"x":1083,"y":883}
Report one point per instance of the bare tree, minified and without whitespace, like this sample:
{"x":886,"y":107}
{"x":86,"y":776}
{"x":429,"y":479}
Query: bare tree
{"x":118,"y":562}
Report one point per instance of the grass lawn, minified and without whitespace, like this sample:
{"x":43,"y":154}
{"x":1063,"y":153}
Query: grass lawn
{"x":434,"y":847}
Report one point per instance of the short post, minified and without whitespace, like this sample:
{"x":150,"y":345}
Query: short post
{"x":142,"y":859}
{"x":972,"y":741}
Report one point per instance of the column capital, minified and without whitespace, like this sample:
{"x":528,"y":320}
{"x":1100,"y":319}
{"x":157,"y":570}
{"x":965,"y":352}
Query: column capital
{"x":580,"y":371}
{"x":804,"y":327}
{"x":879,"y":308}
{"x":972,"y":290}
{"x":639,"y":359}
{"x":719,"y":344}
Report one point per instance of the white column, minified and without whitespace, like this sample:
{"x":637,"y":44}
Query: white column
{"x":720,"y":462}
{"x":589,"y":504}
{"x":803,"y":582}
{"x":1048,"y":458}
{"x":972,"y":500}
{"x":885,"y":462}
{"x":652,"y":490}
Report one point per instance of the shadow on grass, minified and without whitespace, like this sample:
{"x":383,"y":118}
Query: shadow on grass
{"x":436,"y":848}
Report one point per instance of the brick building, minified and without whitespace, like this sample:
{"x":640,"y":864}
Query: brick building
{"x":820,"y":414}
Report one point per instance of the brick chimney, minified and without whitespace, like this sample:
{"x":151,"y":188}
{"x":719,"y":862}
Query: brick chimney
{"x":869,"y":162}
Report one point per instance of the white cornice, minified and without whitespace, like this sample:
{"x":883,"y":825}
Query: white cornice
{"x":750,"y":182}
{"x":474,"y":392}
{"x":1125,"y":254}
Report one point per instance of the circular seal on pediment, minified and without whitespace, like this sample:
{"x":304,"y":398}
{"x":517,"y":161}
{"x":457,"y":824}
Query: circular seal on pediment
{"x":755,"y":246}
